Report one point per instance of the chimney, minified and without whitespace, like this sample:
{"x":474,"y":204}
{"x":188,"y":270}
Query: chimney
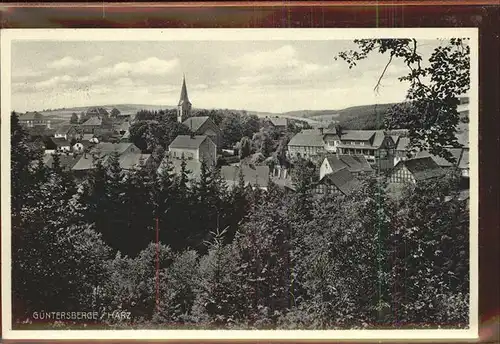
{"x":321,"y":130}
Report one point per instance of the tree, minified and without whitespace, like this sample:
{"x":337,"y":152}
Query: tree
{"x":430,"y":112}
{"x":159,"y":132}
{"x":115,"y":112}
{"x":74,"y":118}
{"x":245,"y":147}
{"x":22,"y":155}
{"x":263,"y":142}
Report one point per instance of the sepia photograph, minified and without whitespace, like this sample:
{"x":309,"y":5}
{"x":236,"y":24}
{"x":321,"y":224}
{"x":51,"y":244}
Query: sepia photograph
{"x":239,"y":180}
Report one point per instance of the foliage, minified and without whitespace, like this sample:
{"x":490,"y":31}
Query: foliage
{"x":430,"y":112}
{"x":156,"y":129}
{"x":74,"y":118}
{"x":245,"y":147}
{"x":115,"y":112}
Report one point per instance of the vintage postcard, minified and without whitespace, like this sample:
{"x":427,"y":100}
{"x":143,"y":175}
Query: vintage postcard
{"x":239,"y":184}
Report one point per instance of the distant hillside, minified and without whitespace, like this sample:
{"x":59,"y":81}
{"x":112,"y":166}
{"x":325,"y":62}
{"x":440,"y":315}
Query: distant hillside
{"x":363,"y":117}
{"x":356,"y":117}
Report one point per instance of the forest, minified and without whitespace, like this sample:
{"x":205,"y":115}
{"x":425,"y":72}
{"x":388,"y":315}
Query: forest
{"x":238,"y":258}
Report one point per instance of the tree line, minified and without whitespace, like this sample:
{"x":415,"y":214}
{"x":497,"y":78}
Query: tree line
{"x":234,"y":258}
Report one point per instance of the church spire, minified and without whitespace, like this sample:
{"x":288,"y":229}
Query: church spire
{"x":184,"y":92}
{"x":184,"y":106}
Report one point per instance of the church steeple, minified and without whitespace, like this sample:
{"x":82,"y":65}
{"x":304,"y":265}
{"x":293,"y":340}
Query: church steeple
{"x":184,"y":106}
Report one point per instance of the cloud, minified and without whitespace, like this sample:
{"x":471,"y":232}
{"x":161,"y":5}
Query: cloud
{"x":149,"y":66}
{"x":65,"y":62}
{"x":255,"y":61}
{"x":96,"y":58}
{"x":277,"y":67}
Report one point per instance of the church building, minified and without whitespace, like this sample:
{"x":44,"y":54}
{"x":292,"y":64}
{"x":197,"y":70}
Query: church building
{"x":199,"y":125}
{"x":184,"y":106}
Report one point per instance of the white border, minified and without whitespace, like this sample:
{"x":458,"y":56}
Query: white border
{"x":8,"y":35}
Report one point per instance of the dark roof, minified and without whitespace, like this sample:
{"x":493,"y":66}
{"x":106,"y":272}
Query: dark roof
{"x":97,"y":111}
{"x":278,"y":121}
{"x":195,"y":123}
{"x":30,"y":116}
{"x":59,"y":141}
{"x":87,"y":137}
{"x":442,"y":162}
{"x":67,"y":161}
{"x":335,"y":163}
{"x":342,"y":179}
{"x":307,"y":138}
{"x":422,"y":168}
{"x":127,"y":161}
{"x":356,"y":163}
{"x":188,"y":141}
{"x":252,"y":175}
{"x":358,"y":135}
{"x":93,"y":121}
{"x":64,"y":129}
{"x":108,"y":147}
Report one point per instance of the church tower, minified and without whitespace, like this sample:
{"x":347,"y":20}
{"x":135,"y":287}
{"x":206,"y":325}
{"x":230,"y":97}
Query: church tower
{"x":184,"y":106}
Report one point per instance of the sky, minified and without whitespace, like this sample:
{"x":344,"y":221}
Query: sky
{"x":268,"y":76}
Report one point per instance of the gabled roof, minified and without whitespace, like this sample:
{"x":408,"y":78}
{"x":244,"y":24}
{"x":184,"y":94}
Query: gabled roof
{"x":93,"y":121}
{"x":87,"y":137}
{"x":187,"y":141}
{"x":131,"y":161}
{"x":422,"y":168}
{"x":108,"y":147}
{"x":195,"y":123}
{"x":403,"y":144}
{"x":278,"y":121}
{"x":358,"y":135}
{"x":97,"y":111}
{"x":335,"y":163}
{"x":464,"y":160}
{"x":356,"y":163}
{"x":308,"y":138}
{"x":378,"y":139}
{"x":442,"y":162}
{"x":127,"y":161}
{"x":342,"y":179}
{"x":64,"y":129}
{"x":251,"y":175}
{"x":60,"y":142}
{"x":67,"y":161}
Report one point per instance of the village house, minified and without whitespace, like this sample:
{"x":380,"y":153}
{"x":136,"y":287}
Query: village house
{"x":331,"y":140}
{"x":194,"y":147}
{"x":340,"y":182}
{"x":99,"y":122}
{"x":66,"y":160}
{"x":306,"y":144}
{"x":377,"y":148}
{"x":203,"y":125}
{"x":280,"y":124}
{"x":33,"y":119}
{"x":253,"y":176}
{"x":355,"y":164}
{"x":415,"y":170}
{"x":129,"y":156}
{"x":67,"y":132}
